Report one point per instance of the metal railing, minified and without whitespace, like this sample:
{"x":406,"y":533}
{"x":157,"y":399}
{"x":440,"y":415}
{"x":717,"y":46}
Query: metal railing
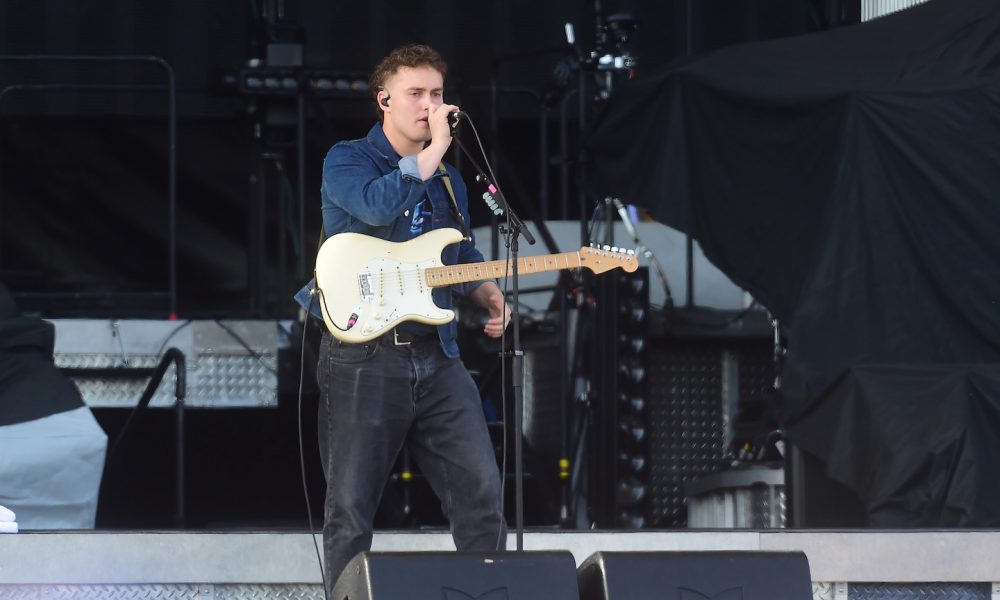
{"x":171,"y":88}
{"x":171,"y":356}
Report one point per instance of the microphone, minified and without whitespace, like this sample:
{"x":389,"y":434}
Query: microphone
{"x":453,"y":118}
{"x":641,"y":248}
{"x":626,"y":220}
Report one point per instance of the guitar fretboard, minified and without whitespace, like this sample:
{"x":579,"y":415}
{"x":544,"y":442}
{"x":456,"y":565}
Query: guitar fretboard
{"x":495,"y":269}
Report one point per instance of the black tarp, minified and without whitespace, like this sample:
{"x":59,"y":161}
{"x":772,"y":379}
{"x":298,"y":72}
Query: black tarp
{"x":939,"y":469}
{"x":31,"y":387}
{"x":850,"y":180}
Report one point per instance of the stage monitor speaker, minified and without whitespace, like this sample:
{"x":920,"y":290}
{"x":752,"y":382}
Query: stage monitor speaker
{"x":459,"y":576}
{"x":695,"y":576}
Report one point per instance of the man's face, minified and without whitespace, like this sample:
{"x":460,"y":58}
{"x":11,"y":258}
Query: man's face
{"x":412,"y":91}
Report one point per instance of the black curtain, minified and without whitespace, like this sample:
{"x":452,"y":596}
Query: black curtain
{"x":848,"y":180}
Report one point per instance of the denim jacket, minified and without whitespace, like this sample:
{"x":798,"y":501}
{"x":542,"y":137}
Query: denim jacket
{"x":367,"y":188}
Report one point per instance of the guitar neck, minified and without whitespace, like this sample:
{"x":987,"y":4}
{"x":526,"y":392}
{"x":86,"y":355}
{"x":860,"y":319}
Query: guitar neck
{"x":496,"y":269}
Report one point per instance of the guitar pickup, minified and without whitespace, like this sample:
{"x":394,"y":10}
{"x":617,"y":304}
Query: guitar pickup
{"x":365,"y":286}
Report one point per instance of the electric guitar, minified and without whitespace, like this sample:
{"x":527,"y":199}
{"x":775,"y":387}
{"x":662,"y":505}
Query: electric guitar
{"x":366,"y":285}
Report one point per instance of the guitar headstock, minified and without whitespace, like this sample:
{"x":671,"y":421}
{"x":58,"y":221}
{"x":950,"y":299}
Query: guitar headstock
{"x":604,"y":258}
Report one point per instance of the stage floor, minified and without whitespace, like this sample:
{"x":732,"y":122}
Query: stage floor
{"x":870,"y":565}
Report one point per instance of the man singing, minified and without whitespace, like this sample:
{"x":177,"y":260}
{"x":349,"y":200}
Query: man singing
{"x":408,"y":386}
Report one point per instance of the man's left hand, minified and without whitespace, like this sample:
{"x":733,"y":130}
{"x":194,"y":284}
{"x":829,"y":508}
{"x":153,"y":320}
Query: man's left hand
{"x":489,"y":296}
{"x":499,"y":316}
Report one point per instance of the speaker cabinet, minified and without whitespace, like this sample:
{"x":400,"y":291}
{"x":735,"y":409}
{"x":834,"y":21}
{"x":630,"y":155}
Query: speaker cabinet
{"x":695,"y":576}
{"x":459,"y":576}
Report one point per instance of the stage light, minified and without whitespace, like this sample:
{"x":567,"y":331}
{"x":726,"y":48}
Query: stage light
{"x":631,"y":403}
{"x":630,"y":492}
{"x":633,"y":463}
{"x":633,"y":429}
{"x":259,"y":79}
{"x":632,"y":419}
{"x":628,"y":520}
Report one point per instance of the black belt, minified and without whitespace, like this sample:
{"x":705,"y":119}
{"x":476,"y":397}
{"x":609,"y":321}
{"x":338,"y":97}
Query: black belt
{"x":402,"y":337}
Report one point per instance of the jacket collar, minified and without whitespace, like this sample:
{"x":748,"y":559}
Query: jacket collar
{"x":376,"y":138}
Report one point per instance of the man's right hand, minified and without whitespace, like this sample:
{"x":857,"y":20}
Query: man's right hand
{"x":437,"y":118}
{"x":431,"y":156}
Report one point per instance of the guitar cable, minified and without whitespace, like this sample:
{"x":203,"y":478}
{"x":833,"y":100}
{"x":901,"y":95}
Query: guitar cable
{"x":322,"y":297}
{"x":302,"y":452}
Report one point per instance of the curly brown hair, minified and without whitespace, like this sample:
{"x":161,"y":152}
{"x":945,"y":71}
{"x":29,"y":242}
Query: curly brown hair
{"x":409,"y":55}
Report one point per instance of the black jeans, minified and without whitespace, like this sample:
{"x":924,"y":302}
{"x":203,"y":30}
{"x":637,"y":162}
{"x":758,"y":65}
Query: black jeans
{"x":376,"y":396}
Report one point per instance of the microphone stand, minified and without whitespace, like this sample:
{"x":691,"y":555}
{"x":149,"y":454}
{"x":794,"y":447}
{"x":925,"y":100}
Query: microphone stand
{"x":515,"y":228}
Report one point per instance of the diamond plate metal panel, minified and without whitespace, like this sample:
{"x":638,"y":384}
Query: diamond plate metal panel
{"x":695,"y":386}
{"x":118,"y":393}
{"x":766,"y":506}
{"x":769,"y":508}
{"x":230,"y":363}
{"x":822,"y":590}
{"x":268,"y":592}
{"x":782,"y":509}
{"x":919,"y":591}
{"x":687,"y":433}
{"x":233,"y":380}
{"x":746,"y":508}
{"x":105,"y":592}
{"x":173,"y":591}
{"x":873,"y":9}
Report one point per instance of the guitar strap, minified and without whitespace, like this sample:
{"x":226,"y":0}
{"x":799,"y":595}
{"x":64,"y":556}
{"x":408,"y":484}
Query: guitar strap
{"x":454,"y":202}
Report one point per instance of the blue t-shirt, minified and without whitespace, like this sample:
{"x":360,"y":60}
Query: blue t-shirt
{"x":420,"y":223}
{"x":423,"y":216}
